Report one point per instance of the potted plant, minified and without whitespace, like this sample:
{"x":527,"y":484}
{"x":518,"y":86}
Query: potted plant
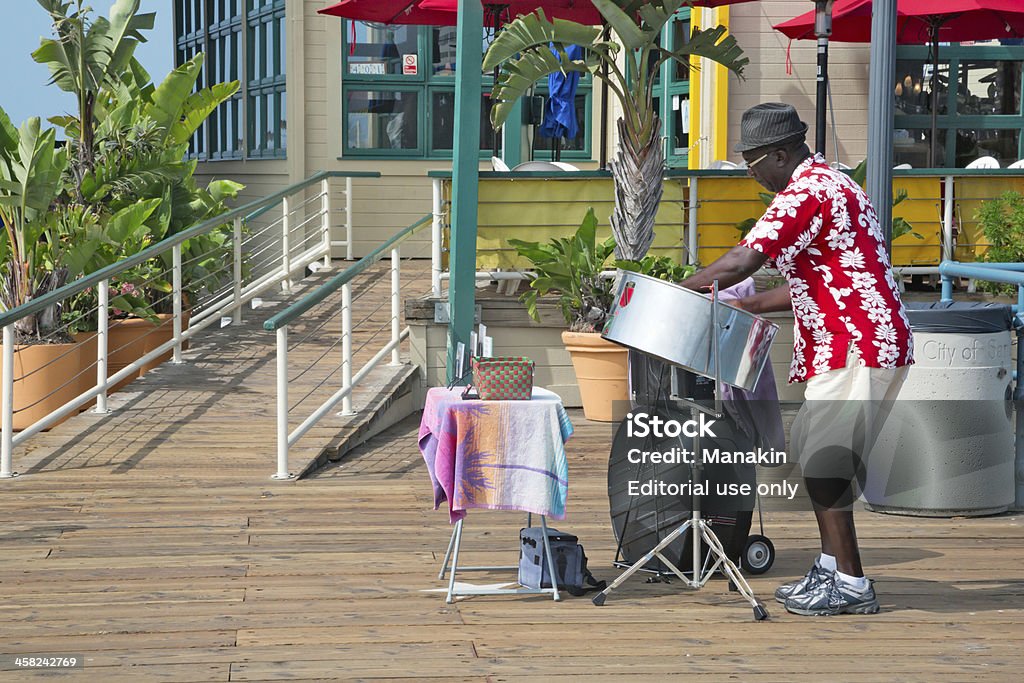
{"x":127,"y":180}
{"x":34,"y":261}
{"x":532,"y":47}
{"x":572,"y":267}
{"x":575,"y":268}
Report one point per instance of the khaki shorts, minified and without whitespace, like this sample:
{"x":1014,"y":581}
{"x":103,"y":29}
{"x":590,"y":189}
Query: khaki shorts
{"x":843,"y":412}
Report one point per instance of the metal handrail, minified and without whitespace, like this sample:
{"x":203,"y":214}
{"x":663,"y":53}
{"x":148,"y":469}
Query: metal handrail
{"x":316,"y":297}
{"x":1006,"y":273}
{"x":729,"y":172}
{"x":243,"y":212}
{"x":946,"y":192}
{"x":280,"y":322}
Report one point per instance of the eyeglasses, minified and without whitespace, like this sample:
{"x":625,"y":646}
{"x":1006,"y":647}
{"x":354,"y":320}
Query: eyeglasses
{"x":761,"y":158}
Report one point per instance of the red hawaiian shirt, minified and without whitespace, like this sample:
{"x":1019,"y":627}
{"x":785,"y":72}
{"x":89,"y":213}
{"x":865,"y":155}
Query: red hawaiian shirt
{"x":822,"y":234}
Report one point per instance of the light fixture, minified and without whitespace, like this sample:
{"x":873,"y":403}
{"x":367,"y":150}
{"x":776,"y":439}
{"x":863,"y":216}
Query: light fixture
{"x":899,"y":90}
{"x":908,"y":81}
{"x":917,"y":88}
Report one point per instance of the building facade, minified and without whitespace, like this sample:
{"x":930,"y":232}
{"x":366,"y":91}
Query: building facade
{"x":322,"y":93}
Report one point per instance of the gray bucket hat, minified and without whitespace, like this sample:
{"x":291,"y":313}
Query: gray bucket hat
{"x":768,"y":124}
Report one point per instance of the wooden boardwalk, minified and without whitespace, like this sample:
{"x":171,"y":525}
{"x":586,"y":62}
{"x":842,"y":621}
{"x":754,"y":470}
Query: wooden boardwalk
{"x":153,"y":544}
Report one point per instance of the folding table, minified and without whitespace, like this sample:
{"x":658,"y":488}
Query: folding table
{"x":497,"y":455}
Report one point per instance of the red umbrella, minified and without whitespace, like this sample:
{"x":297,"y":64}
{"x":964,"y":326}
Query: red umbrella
{"x":917,"y":20}
{"x":921,"y":21}
{"x":444,"y":12}
{"x":389,"y":12}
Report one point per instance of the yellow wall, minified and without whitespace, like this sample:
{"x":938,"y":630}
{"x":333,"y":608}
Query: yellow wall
{"x":539,"y":209}
{"x":722,"y":204}
{"x":725,"y":202}
{"x":923,"y":210}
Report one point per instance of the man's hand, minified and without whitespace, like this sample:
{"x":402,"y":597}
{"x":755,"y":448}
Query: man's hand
{"x":766,"y":302}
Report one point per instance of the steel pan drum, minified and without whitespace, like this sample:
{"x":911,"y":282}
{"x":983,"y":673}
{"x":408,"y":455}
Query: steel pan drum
{"x":674,"y":324}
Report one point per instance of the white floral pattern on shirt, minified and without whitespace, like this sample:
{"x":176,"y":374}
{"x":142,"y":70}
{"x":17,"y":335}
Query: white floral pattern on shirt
{"x":822,"y":234}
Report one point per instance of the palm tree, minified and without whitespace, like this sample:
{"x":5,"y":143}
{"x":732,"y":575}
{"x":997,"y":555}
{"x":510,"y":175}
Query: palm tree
{"x":532,"y":47}
{"x":88,"y":55}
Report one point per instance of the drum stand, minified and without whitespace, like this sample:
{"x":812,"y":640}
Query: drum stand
{"x":700,"y":529}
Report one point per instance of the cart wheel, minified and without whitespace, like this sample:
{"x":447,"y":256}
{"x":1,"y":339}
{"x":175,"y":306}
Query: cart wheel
{"x":759,"y":555}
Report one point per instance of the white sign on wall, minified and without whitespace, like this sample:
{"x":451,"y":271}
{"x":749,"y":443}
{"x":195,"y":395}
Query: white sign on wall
{"x":410,"y":65}
{"x":367,"y":68}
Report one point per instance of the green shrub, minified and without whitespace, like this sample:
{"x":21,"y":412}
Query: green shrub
{"x":1002,"y":222}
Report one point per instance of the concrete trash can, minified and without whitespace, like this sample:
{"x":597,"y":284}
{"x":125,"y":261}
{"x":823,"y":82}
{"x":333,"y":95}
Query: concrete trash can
{"x":947,"y":448}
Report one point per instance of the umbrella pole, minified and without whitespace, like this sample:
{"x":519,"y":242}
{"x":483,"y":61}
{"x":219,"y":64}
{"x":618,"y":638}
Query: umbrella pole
{"x":822,"y":29}
{"x":933,"y":153}
{"x":604,"y":106}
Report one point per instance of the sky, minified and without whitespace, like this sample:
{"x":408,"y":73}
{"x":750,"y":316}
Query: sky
{"x":24,"y":91}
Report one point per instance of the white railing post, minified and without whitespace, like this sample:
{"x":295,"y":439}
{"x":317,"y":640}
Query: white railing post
{"x":286,"y":256}
{"x":325,"y":219}
{"x":7,"y":405}
{"x":348,"y":218}
{"x":102,"y":344}
{"x":947,"y":220}
{"x":346,"y":347}
{"x":396,"y":312}
{"x":236,"y":315}
{"x":435,"y":241}
{"x":691,"y":226}
{"x":176,"y":300}
{"x":282,"y":404}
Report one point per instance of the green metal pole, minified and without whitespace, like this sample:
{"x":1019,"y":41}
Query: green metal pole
{"x":513,"y":132}
{"x":465,"y":177}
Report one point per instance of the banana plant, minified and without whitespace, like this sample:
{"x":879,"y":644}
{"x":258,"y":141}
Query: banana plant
{"x":532,"y":47}
{"x":33,"y":257}
{"x":89,"y":54}
{"x":142,"y":139}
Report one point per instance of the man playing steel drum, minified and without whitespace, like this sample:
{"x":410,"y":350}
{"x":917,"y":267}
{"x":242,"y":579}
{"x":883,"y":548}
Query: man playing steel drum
{"x":852,"y":340}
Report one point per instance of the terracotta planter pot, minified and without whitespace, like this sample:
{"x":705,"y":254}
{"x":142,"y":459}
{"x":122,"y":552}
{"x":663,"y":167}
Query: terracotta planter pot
{"x":128,"y":340}
{"x":87,"y":370}
{"x":40,"y":369}
{"x":601,"y":372}
{"x":126,"y":343}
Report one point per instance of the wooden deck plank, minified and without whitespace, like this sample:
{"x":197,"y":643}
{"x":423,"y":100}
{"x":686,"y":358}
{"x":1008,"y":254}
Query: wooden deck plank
{"x":152,"y":542}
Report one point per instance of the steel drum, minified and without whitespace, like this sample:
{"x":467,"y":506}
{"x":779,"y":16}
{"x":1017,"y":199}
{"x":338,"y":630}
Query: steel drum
{"x":674,"y":324}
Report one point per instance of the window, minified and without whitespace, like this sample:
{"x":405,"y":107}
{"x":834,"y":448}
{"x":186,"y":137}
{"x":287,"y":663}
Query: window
{"x":398,"y":94}
{"x":252,"y":124}
{"x":672,"y":94}
{"x":979,"y":104}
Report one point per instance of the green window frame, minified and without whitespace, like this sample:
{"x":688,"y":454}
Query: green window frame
{"x":672,"y":93}
{"x":428,"y":86}
{"x":243,"y":40}
{"x":955,"y":59}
